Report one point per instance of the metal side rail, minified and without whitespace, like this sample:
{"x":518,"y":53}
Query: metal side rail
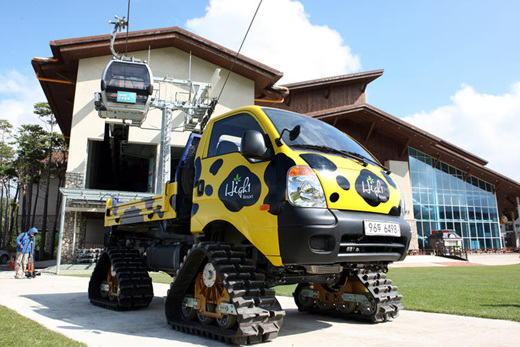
{"x":257,"y":313}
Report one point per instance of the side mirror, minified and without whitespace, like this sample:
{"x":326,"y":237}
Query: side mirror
{"x":253,"y":146}
{"x":293,"y":134}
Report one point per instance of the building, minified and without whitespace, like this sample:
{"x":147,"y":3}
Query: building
{"x":445,"y":187}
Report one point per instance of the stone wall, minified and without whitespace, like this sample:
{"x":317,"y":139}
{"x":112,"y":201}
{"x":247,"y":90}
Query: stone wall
{"x":75,"y":180}
{"x":70,"y":245}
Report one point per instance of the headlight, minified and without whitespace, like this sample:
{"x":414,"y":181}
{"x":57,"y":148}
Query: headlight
{"x":304,"y":188}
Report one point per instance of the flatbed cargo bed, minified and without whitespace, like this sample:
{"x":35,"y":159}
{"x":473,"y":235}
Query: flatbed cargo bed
{"x":155,"y":208}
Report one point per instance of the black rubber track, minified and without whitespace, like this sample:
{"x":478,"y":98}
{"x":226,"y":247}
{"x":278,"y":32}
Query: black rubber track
{"x":259,"y":315}
{"x":386,"y":300}
{"x":384,"y":294}
{"x":135,"y":285}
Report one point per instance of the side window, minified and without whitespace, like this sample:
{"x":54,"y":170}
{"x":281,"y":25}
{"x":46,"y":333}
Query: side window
{"x":227,"y":133}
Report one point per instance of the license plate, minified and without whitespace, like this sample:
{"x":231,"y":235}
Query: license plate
{"x":373,"y":228}
{"x":126,"y":97}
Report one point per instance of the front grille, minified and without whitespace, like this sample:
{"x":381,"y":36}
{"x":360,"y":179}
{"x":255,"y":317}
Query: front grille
{"x":371,"y":244}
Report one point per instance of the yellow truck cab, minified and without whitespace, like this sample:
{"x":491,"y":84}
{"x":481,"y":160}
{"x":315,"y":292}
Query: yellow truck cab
{"x":300,"y":190}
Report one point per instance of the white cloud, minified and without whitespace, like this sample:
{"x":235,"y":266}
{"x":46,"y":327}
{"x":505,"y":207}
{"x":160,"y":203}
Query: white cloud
{"x":282,"y":36}
{"x":483,"y":124}
{"x":18,"y":94}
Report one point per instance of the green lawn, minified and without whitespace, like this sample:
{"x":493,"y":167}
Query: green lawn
{"x":161,"y":277}
{"x":476,"y":291}
{"x":16,"y":330}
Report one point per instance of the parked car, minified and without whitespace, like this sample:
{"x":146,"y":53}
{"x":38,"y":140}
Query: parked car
{"x":4,"y":256}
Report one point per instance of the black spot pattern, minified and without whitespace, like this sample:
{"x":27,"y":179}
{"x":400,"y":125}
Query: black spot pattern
{"x":173,"y":203}
{"x":319,"y":162}
{"x":275,"y":176}
{"x":215,"y":167}
{"x":194,"y":209}
{"x":198,"y":169}
{"x":208,"y":190}
{"x":343,"y":182}
{"x":389,"y":179}
{"x":334,"y":197}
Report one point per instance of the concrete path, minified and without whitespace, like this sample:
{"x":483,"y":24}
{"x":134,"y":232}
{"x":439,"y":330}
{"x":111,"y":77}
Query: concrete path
{"x":60,"y":303}
{"x":473,"y":259}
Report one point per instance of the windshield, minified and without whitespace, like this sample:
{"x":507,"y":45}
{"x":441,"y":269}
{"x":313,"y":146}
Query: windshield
{"x":314,"y":133}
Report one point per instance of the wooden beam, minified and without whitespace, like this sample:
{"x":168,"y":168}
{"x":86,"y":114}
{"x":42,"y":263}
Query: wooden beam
{"x":370,"y":131}
{"x":288,"y":99}
{"x":513,"y":202}
{"x":335,"y":121}
{"x":467,"y":175}
{"x":437,"y":161}
{"x":364,"y":86}
{"x":405,"y":147}
{"x":327,"y":92}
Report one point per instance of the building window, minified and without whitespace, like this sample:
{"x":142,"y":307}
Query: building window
{"x":445,"y":199}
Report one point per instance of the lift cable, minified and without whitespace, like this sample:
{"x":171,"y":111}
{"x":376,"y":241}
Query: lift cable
{"x":127,"y":27}
{"x":236,"y":56}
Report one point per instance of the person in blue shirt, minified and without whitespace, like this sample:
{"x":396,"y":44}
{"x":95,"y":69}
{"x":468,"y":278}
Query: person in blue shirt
{"x":25,"y":242}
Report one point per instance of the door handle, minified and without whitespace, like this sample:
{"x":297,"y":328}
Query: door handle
{"x":200,"y":188}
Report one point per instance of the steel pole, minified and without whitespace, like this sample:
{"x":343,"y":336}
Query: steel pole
{"x":164,"y":169}
{"x":62,"y":231}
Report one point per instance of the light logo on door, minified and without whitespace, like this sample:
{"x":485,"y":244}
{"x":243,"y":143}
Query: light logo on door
{"x":241,"y":188}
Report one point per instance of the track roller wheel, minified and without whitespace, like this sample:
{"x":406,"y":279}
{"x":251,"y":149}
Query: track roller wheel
{"x":109,"y":288}
{"x":217,"y":293}
{"x":303,"y":301}
{"x":347,"y":308}
{"x":188,"y":312}
{"x":343,"y":298}
{"x":369,"y":309}
{"x":120,"y":281}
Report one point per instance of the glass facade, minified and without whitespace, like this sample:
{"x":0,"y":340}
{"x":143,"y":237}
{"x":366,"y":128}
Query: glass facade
{"x":444,"y":199}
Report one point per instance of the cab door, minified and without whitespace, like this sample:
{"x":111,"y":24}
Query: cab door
{"x":231,"y":187}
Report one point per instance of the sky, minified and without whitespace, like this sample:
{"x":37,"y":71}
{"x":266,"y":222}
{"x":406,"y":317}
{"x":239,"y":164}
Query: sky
{"x":450,"y":67}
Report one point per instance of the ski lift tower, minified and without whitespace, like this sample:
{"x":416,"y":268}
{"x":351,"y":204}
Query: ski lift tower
{"x":127,"y":93}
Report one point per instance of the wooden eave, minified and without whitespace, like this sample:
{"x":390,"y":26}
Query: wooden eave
{"x":356,"y":78}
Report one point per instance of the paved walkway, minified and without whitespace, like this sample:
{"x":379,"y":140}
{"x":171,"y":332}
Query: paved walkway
{"x":473,"y":259}
{"x":60,"y":303}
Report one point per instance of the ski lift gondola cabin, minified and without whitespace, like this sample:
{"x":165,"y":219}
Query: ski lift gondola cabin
{"x":126,"y":91}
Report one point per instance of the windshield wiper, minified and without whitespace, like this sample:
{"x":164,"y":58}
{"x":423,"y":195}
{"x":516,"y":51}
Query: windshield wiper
{"x":354,"y":155}
{"x":326,"y":149}
{"x":373,"y":161}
